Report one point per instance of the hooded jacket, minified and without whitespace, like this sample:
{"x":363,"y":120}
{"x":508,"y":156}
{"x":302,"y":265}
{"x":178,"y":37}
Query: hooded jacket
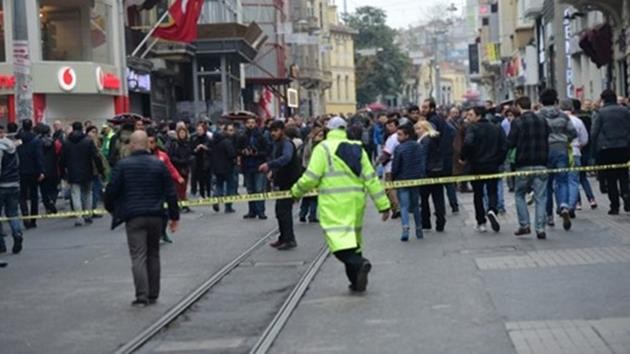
{"x":78,"y":158}
{"x":31,"y":154}
{"x":561,"y":130}
{"x":485,"y":146}
{"x":9,"y":164}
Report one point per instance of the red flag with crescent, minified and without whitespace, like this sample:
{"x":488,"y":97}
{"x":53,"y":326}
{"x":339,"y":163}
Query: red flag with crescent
{"x":182,"y":26}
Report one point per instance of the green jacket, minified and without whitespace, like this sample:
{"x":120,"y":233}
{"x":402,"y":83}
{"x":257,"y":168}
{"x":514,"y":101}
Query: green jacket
{"x":342,"y":194}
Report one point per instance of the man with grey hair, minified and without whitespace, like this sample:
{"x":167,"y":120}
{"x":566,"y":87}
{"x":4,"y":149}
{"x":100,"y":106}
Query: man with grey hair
{"x":140,"y":187}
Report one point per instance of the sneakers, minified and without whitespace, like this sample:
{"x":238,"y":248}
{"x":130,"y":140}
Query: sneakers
{"x":285,"y":246}
{"x":405,"y":234}
{"x":17,"y":244}
{"x":541,"y":235}
{"x":362,"y":276}
{"x":481,"y":228}
{"x":593,"y":204}
{"x":566,"y":219}
{"x":523,"y":231}
{"x":494,"y":222}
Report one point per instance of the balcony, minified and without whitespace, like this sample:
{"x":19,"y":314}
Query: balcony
{"x":532,"y":8}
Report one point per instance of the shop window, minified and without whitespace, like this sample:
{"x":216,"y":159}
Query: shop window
{"x":3,"y":51}
{"x":76,"y":30}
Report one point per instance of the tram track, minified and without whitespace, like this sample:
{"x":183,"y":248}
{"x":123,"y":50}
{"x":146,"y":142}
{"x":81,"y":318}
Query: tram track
{"x":264,"y":338}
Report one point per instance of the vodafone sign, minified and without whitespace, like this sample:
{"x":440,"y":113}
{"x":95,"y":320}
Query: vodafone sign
{"x":67,"y":78}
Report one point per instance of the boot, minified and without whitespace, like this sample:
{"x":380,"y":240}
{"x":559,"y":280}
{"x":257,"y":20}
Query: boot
{"x":405,"y":234}
{"x":17,"y":244}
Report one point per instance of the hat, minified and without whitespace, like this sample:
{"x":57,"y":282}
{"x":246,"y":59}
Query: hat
{"x":336,"y":123}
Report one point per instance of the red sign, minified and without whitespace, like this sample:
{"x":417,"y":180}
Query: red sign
{"x":111,"y":82}
{"x":7,"y":82}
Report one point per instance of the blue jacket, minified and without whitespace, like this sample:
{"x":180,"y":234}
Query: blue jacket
{"x":410,"y":161}
{"x":140,"y":187}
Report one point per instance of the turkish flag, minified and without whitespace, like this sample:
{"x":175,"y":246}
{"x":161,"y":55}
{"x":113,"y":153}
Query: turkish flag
{"x":183,"y":24}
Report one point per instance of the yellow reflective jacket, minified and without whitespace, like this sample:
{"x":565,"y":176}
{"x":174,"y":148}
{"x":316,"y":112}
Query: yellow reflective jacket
{"x":342,"y":194}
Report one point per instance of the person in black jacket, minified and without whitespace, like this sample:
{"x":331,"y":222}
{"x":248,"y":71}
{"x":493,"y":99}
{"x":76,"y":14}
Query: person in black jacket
{"x":139,"y":188}
{"x":181,"y":153}
{"x":9,"y":194}
{"x":484,"y":149}
{"x":201,"y":163}
{"x":31,"y":155}
{"x":253,"y":151}
{"x":223,"y":163}
{"x":49,"y":186}
{"x":439,"y":159}
{"x":285,"y":171}
{"x":78,"y":159}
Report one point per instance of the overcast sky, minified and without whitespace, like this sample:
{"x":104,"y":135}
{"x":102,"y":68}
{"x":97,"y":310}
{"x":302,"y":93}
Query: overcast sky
{"x":400,"y":13}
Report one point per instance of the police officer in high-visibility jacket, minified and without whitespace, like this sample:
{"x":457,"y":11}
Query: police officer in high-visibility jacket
{"x":342,"y":172}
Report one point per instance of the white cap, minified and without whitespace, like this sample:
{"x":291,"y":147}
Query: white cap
{"x":336,"y":123}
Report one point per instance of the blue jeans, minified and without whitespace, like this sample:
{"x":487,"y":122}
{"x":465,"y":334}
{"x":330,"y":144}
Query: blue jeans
{"x":9,"y":198}
{"x":500,"y":197}
{"x":409,"y":203}
{"x":97,"y":191}
{"x":226,"y":185}
{"x":558,"y":182}
{"x":574,"y":184}
{"x":537,"y":184}
{"x":255,"y":183}
{"x":309,"y":207}
{"x":586,"y":185}
{"x":451,"y":193}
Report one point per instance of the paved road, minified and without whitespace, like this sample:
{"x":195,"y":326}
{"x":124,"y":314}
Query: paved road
{"x":456,"y":292}
{"x":464,"y":292}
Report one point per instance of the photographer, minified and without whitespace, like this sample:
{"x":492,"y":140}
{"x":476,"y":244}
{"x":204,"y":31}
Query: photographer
{"x":252,"y":151}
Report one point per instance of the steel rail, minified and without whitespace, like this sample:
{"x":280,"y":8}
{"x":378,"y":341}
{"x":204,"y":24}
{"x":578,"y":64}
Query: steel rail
{"x":274,"y":328}
{"x":143,"y":337}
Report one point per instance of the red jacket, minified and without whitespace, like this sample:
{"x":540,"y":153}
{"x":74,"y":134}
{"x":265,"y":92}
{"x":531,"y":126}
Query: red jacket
{"x":175,"y":176}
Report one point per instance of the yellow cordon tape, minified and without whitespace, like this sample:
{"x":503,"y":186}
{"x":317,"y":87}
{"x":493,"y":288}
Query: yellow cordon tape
{"x":388,"y":185}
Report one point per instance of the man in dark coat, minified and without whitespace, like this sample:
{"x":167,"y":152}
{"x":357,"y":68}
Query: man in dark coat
{"x":31,"y":155}
{"x":139,"y":188}
{"x":253,"y":150}
{"x":78,"y":159}
{"x":223,"y":163}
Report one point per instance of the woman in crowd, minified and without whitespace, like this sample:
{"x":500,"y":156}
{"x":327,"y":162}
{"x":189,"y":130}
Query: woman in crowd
{"x":201,"y":162}
{"x":181,"y":154}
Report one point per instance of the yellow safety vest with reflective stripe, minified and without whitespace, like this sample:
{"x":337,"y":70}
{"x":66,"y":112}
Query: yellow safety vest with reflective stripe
{"x":342,"y":194}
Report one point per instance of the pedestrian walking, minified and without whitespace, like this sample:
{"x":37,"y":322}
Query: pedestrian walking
{"x":9,"y":191}
{"x":387,"y":155}
{"x":342,"y":172}
{"x":611,"y":142}
{"x":308,"y":207}
{"x":79,"y":158}
{"x":253,"y":151}
{"x":529,"y":136}
{"x":284,"y":170}
{"x":31,"y":155}
{"x":201,"y":146}
{"x":576,"y":150}
{"x":484,"y":149}
{"x":409,"y":164}
{"x":49,"y":186}
{"x":562,"y":132}
{"x":585,"y":115}
{"x":136,"y":195}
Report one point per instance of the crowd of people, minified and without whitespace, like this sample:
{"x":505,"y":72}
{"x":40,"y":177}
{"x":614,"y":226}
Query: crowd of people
{"x":42,"y":164}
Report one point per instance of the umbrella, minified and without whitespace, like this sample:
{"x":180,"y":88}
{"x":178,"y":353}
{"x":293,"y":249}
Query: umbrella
{"x":377,"y":106}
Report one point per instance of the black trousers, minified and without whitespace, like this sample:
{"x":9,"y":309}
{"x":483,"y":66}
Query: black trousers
{"x":199,"y":182}
{"x":143,"y":238}
{"x":284,"y":214}
{"x":49,"y":188}
{"x":352,"y":259}
{"x":490,"y":186}
{"x":28,"y":193}
{"x":616,"y":180}
{"x":436,"y":192}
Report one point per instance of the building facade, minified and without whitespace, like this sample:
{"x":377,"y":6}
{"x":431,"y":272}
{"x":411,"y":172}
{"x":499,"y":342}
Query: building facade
{"x":342,"y":96}
{"x":75,"y":55}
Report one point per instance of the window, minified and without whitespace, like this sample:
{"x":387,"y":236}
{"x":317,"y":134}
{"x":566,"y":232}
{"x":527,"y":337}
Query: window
{"x":76,"y":30}
{"x":347,"y":88}
{"x":338,"y":87}
{"x":3,"y":44}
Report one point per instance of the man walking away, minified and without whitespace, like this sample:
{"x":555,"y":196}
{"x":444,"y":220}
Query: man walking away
{"x":529,"y":136}
{"x":78,"y":159}
{"x":561,"y":133}
{"x":576,"y":149}
{"x":136,"y":195}
{"x":9,"y":194}
{"x":484,"y":150}
{"x":49,"y":186}
{"x":31,"y":155}
{"x":610,"y":139}
{"x":342,"y":172}
{"x":285,"y":171}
